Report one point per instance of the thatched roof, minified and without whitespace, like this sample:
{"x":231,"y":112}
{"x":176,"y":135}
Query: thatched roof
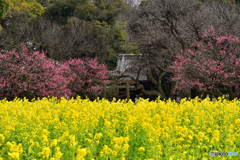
{"x":127,"y":66}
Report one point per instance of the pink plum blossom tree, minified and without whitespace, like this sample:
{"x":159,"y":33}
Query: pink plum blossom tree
{"x":211,"y":65}
{"x":86,"y":76}
{"x":31,"y":74}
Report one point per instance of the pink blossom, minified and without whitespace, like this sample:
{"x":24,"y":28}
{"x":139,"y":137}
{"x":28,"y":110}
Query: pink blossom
{"x":209,"y":66}
{"x":31,"y":72}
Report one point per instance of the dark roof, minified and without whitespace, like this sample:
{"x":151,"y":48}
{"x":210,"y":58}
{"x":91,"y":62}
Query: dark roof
{"x":127,"y":66}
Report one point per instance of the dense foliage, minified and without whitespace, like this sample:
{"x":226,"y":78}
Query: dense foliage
{"x":12,"y":8}
{"x":82,"y":129}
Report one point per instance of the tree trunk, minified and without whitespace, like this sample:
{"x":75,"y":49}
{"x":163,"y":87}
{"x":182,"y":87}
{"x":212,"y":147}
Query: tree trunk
{"x":233,"y":93}
{"x":204,"y":95}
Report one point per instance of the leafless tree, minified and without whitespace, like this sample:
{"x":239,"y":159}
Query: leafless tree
{"x":76,"y":39}
{"x":13,"y":32}
{"x":163,"y":29}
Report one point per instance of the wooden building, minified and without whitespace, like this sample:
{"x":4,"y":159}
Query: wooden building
{"x":120,"y":84}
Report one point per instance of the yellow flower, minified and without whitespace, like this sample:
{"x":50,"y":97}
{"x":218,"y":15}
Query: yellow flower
{"x":81,"y":152}
{"x":73,"y":143}
{"x":106,"y":149}
{"x":237,"y":122}
{"x":36,"y":144}
{"x":125,"y":147}
{"x":179,"y":140}
{"x":179,"y":146}
{"x":116,"y":147}
{"x":14,"y":155}
{"x":45,"y":132}
{"x":190,"y":137}
{"x":114,"y":153}
{"x":141,"y":149}
{"x":63,"y":119}
{"x":88,"y":140}
{"x":57,"y":149}
{"x":11,"y":146}
{"x":45,"y":139}
{"x":101,"y":154}
{"x":156,"y":118}
{"x":126,"y":139}
{"x":224,"y":128}
{"x":58,"y":155}
{"x":54,"y":143}
{"x":2,"y":139}
{"x":46,"y":151}
{"x":150,"y":140}
{"x":98,"y":136}
{"x":216,"y":132}
{"x":90,"y":135}
{"x":201,"y":135}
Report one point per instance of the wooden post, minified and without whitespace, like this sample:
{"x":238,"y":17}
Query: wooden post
{"x":115,"y":89}
{"x":128,"y":92}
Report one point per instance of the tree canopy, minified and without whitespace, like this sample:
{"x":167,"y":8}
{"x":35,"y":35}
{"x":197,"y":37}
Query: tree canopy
{"x":100,"y":10}
{"x":12,"y":8}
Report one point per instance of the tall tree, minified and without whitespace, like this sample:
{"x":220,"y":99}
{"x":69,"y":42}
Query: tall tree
{"x":211,"y":65}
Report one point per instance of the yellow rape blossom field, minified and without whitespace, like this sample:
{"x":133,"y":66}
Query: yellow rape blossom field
{"x":52,"y":129}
